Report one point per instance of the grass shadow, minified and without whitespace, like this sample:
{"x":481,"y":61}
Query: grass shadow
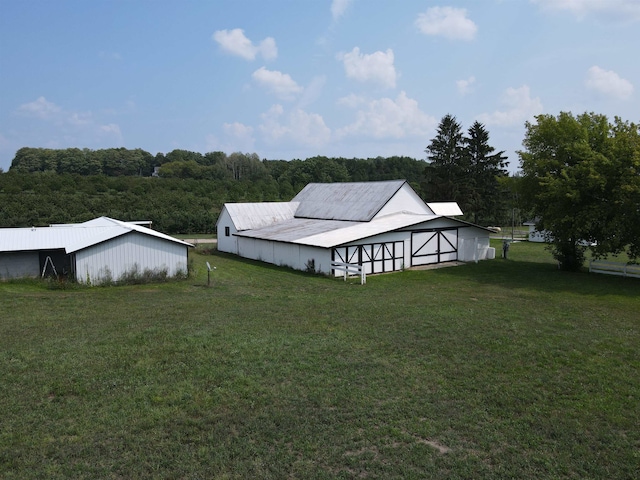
{"x":543,"y":277}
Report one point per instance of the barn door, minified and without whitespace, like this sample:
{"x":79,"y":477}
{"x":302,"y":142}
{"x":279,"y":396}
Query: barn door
{"x":374,"y":257}
{"x":434,"y":246}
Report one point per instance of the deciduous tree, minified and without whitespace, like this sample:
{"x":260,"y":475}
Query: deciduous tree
{"x":581,"y":177}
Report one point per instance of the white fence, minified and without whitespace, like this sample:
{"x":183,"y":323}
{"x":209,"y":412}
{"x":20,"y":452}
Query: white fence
{"x":613,"y":268}
{"x":350,"y":269}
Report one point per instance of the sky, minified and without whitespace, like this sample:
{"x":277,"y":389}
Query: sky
{"x":292,"y":79}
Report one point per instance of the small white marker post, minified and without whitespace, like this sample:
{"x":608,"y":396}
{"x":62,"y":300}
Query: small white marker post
{"x":208,"y":274}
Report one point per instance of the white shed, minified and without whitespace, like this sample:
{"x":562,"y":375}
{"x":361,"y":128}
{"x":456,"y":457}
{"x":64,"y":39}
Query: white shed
{"x":383,"y":226}
{"x":535,"y":235}
{"x":91,"y":252}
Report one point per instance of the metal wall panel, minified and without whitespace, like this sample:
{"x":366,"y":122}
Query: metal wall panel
{"x":116,"y":257}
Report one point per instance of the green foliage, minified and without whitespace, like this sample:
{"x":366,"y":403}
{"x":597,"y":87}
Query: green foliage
{"x":464,"y":169}
{"x":111,"y":162}
{"x":47,"y":186}
{"x":581,"y":178}
{"x":134,"y":276}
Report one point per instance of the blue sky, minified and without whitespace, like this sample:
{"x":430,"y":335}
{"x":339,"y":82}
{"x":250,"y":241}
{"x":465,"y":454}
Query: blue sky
{"x":293,"y":79}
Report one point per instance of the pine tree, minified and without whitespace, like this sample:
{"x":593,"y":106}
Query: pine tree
{"x":448,"y":164}
{"x":485,"y":167}
{"x":464,"y":169}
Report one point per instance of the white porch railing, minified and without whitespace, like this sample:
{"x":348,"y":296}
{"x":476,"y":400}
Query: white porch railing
{"x":350,"y":269}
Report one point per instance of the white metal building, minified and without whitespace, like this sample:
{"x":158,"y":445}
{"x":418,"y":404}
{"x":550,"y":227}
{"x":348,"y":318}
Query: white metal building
{"x":94,"y":251}
{"x":383,"y":226}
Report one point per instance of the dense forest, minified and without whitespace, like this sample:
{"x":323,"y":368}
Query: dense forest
{"x":180,"y":192}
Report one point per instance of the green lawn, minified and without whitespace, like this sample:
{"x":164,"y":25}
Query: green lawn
{"x":501,"y":369}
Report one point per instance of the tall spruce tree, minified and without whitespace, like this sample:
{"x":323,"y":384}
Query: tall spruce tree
{"x":486,"y":167}
{"x":447,"y":171}
{"x":465,"y":170}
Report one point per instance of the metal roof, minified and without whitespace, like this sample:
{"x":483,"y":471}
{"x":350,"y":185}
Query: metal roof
{"x":331,"y":233}
{"x":358,"y":202}
{"x":445,"y":208}
{"x":247,"y":216}
{"x":295,"y":229}
{"x":71,"y":237}
{"x":359,"y":231}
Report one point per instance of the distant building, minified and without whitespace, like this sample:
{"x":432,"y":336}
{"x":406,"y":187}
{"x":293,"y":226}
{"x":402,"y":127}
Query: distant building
{"x":539,"y":236}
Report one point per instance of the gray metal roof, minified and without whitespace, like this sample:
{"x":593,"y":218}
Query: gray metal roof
{"x":358,"y":202}
{"x":71,"y":237}
{"x":331,"y":233}
{"x":247,"y":216}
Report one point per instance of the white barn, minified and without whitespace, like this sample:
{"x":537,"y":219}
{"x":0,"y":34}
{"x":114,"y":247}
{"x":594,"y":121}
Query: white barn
{"x":91,"y":252}
{"x":383,"y":226}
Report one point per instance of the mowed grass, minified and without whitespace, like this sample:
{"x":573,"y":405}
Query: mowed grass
{"x":501,"y":369}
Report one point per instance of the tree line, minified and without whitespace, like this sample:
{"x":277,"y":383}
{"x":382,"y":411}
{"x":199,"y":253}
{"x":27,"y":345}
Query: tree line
{"x":245,"y":177}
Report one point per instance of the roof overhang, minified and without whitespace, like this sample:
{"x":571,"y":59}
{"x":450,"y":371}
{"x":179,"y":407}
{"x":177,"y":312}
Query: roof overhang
{"x":333,"y":233}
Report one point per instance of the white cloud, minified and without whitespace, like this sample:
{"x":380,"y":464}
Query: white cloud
{"x":278,"y":83}
{"x":40,"y":108}
{"x":377,"y":67}
{"x":235,"y":42}
{"x":387,"y":118}
{"x":239,"y":136}
{"x":352,"y":100}
{"x":466,"y":86}
{"x":628,"y":10}
{"x":238,"y":130}
{"x":520,"y":107}
{"x":449,"y":22}
{"x":338,"y":7}
{"x":299,"y":127}
{"x":111,"y":129}
{"x":79,"y":118}
{"x":312,"y":91}
{"x":608,"y":83}
{"x":64,"y":125}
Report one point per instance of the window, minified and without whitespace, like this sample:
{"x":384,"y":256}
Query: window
{"x":226,"y":231}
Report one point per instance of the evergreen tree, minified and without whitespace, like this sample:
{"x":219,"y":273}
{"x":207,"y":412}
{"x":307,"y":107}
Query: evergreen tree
{"x":465,"y":170}
{"x":485,"y":196}
{"x":447,"y":171}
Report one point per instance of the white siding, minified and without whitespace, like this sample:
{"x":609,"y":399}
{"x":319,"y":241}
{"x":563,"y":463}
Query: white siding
{"x":405,"y":200}
{"x":120,"y":255}
{"x":285,"y":254}
{"x":19,"y":265}
{"x":473,"y":244}
{"x":226,"y":243}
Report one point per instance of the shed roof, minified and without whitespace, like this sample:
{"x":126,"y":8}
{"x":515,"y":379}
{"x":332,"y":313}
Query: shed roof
{"x":445,"y":208}
{"x":358,"y":202}
{"x":72,"y":237}
{"x":247,"y":216}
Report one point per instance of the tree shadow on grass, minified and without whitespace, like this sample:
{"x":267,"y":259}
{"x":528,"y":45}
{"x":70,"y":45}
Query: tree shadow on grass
{"x":544,"y":277}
